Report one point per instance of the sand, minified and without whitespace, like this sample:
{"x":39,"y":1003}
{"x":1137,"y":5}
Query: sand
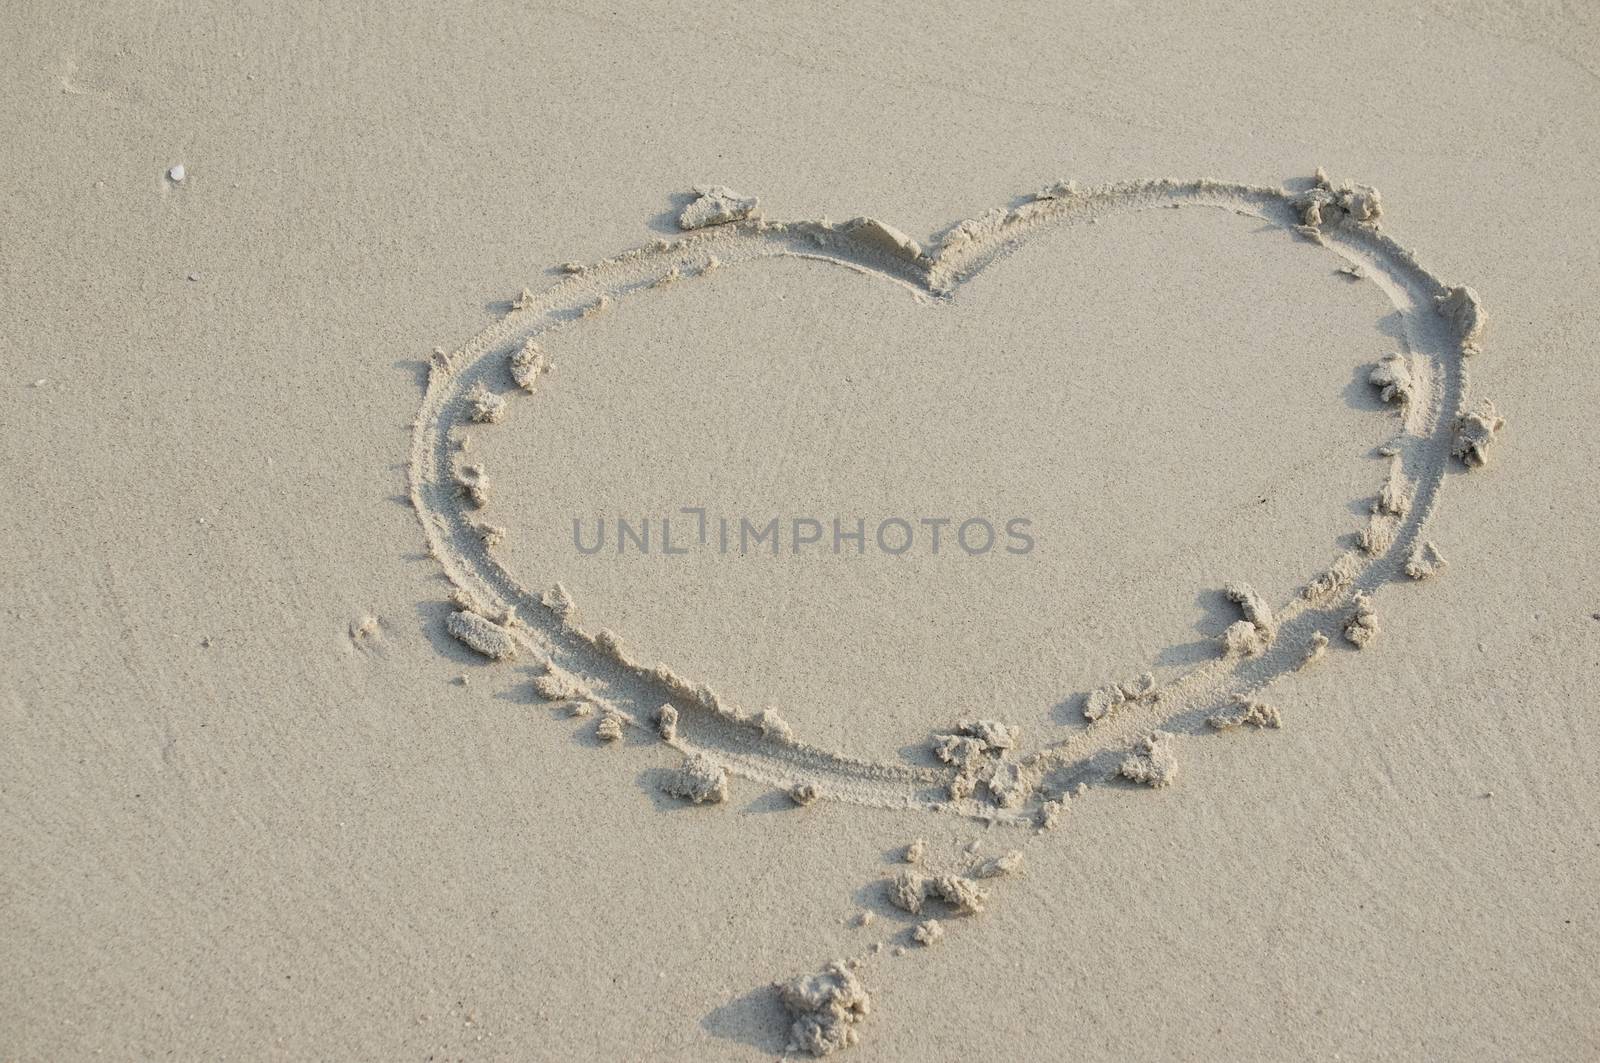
{"x":325,"y":738}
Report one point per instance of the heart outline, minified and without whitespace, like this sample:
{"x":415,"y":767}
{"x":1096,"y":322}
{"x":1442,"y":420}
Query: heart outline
{"x":1435,"y":338}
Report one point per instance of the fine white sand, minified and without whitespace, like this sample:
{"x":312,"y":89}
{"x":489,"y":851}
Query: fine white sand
{"x":323,"y":740}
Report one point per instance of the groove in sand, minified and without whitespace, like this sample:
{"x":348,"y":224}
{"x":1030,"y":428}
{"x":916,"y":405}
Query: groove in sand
{"x":1442,"y":325}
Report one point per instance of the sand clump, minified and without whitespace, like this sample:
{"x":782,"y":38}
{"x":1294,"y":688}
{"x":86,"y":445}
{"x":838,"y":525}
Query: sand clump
{"x":717,"y":205}
{"x":1064,"y":189}
{"x":1104,"y":701}
{"x":978,"y":751}
{"x":1251,"y":636}
{"x":910,"y":890}
{"x":1426,"y":561}
{"x":1362,"y":625}
{"x":826,"y":1008}
{"x":699,"y":780}
{"x":1009,"y":782}
{"x":1324,"y":204}
{"x":907,"y":890}
{"x":608,"y":728}
{"x":560,"y":603}
{"x":1247,"y":712}
{"x":803,"y":793}
{"x":557,"y":685}
{"x":667,"y":723}
{"x":959,"y":892}
{"x":1242,"y":639}
{"x":773,"y":726}
{"x":1475,"y":433}
{"x":1253,"y":606}
{"x":1007,"y":863}
{"x":993,"y":734}
{"x":484,"y":406}
{"x":1392,"y":377}
{"x":473,"y":482}
{"x":883,"y":237}
{"x":527,"y":363}
{"x":480,"y":633}
{"x":1464,"y":310}
{"x":928,"y":932}
{"x":1153,"y":762}
{"x":1051,"y":813}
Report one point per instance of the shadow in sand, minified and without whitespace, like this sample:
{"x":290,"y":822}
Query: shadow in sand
{"x":418,"y":368}
{"x":756,"y":1018}
{"x":667,"y":221}
{"x":1359,"y":394}
{"x":771,"y":801}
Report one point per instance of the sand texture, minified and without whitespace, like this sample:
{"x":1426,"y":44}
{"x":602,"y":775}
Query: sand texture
{"x":909,"y":534}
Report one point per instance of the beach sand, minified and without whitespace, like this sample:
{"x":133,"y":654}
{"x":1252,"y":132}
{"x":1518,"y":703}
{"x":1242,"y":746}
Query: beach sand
{"x":306,"y":757}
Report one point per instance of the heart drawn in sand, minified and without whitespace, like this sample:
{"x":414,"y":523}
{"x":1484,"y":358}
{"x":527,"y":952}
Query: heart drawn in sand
{"x":978,"y":768}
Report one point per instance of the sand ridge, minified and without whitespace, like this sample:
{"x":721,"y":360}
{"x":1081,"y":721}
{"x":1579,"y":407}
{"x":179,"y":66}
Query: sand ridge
{"x":1426,"y":381}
